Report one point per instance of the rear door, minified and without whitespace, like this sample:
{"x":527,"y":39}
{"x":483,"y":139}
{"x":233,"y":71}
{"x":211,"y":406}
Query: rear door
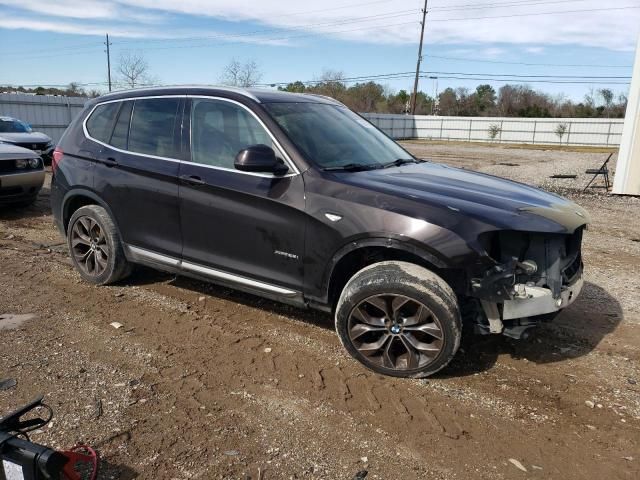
{"x":137,"y":173}
{"x":247,"y":224}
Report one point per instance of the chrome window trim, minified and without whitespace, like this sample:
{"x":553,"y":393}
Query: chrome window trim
{"x":287,"y":159}
{"x":210,"y":272}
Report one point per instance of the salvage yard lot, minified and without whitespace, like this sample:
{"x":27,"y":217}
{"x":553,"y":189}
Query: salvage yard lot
{"x":204,"y":382}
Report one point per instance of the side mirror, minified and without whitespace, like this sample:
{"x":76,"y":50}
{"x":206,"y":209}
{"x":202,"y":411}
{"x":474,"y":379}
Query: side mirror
{"x":259,"y":159}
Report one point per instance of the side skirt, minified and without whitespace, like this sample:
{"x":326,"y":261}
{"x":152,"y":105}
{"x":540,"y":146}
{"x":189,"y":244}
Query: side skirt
{"x":201,"y":272}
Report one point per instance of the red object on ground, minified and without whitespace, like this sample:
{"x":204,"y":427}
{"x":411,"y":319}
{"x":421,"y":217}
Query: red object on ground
{"x":83,"y":461}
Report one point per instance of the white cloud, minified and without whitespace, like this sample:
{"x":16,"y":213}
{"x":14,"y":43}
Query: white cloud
{"x":534,"y":50}
{"x":396,"y":23}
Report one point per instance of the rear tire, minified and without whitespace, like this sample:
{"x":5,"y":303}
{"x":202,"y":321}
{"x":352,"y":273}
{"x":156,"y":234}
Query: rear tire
{"x":95,"y":247}
{"x":399,"y":319}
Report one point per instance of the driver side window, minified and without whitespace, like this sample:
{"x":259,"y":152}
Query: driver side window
{"x":220,"y":129}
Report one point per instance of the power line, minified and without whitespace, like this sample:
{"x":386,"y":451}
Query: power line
{"x":57,"y":49}
{"x":522,"y":3}
{"x":286,"y":37}
{"x":509,"y":80}
{"x":529,"y":63}
{"x":321,"y":33}
{"x":384,"y":76}
{"x":368,"y":18}
{"x":69,"y":51}
{"x":597,"y":77}
{"x":338,"y":8}
{"x":562,"y":12}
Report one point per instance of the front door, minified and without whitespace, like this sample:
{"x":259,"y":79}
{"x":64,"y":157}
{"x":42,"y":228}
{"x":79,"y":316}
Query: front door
{"x":249,"y":225}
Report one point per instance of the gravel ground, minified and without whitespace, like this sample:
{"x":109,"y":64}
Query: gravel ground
{"x":205,"y":382}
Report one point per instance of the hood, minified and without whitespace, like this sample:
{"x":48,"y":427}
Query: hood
{"x":495,"y":201}
{"x":32,"y":137}
{"x":12,"y":152}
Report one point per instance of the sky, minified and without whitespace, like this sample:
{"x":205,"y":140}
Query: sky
{"x":563,"y":47}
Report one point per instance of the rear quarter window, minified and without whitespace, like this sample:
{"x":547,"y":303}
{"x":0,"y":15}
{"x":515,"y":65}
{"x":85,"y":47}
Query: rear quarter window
{"x":100,"y":123}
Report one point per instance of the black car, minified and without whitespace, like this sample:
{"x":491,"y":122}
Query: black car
{"x":20,"y":134}
{"x":296,"y":198}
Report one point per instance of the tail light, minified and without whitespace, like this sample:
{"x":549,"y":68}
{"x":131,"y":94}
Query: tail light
{"x":57,"y":158}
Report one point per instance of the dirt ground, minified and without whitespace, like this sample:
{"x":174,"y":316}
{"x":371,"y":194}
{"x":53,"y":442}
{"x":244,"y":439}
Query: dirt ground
{"x":205,"y":382}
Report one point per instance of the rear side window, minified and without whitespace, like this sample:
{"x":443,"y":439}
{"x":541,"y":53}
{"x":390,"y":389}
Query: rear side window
{"x":100,"y":123}
{"x":152,"y":127}
{"x":121,"y":130}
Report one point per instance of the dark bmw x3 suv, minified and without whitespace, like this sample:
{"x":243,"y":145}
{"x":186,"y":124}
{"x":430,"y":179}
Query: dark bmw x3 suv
{"x":296,"y":198}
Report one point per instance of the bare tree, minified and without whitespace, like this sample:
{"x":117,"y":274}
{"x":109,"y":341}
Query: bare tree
{"x":560,"y":130}
{"x":607,"y":96}
{"x":494,"y":131}
{"x":133,"y":69}
{"x":237,"y":74}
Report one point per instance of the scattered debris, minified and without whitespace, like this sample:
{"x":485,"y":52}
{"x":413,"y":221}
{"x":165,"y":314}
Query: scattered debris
{"x":517,"y":464}
{"x":119,"y":294}
{"x":11,"y":236}
{"x":98,"y":407}
{"x":202,"y":299}
{"x":232,"y":453}
{"x":361,"y":475}
{"x":562,"y":175}
{"x":589,"y":404}
{"x":11,"y":321}
{"x":507,"y":164}
{"x":632,"y":381}
{"x":536,"y":467}
{"x":116,"y":325}
{"x":628,"y":459}
{"x":364,"y":459}
{"x":8,"y":383}
{"x":267,"y":350}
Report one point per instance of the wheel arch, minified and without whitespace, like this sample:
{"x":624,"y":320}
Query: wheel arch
{"x":358,"y":254}
{"x":80,"y":197}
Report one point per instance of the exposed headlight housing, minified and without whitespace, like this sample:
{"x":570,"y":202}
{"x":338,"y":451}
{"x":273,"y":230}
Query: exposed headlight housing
{"x":34,"y":162}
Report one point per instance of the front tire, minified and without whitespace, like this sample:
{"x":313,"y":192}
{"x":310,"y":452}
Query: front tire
{"x":95,"y":247}
{"x":399,"y":319}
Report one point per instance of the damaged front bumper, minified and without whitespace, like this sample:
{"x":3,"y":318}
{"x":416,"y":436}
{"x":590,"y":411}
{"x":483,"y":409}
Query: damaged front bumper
{"x":537,"y":275}
{"x":531,"y":301}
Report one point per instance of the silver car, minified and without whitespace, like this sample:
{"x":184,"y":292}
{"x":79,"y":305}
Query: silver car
{"x":21,"y":175}
{"x":21,"y":134}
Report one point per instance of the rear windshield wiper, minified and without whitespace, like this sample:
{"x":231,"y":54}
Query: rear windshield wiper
{"x":400,"y":161}
{"x":351,"y":167}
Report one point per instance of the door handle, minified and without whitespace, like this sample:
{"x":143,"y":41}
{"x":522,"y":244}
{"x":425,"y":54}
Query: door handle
{"x":110,"y":162}
{"x":192,"y":180}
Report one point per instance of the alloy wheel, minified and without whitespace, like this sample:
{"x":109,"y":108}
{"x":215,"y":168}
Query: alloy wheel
{"x":395,"y":332}
{"x":89,"y":246}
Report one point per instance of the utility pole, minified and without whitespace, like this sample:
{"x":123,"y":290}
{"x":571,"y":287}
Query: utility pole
{"x":108,"y":62}
{"x":415,"y":83}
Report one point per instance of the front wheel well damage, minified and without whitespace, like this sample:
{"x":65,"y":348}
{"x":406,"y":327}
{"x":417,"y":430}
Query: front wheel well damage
{"x":360,"y":258}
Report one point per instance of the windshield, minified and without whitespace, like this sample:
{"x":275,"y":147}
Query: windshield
{"x":334,"y":137}
{"x":13,"y":126}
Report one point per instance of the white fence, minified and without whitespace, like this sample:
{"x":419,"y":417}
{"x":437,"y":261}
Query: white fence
{"x":46,"y":113}
{"x":51,"y":115}
{"x":578,"y":131}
